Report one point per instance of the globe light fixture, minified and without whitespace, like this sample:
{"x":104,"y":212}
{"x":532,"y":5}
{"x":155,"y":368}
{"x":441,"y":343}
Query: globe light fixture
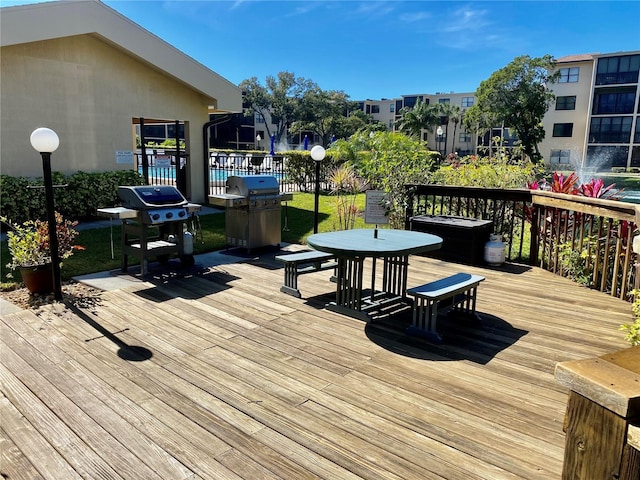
{"x":439,"y":132}
{"x":46,"y":141}
{"x":317,"y":153}
{"x":258,"y":138}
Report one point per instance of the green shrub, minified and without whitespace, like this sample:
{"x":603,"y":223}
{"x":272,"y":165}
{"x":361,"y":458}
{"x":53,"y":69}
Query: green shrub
{"x":633,"y":329}
{"x":387,"y":161}
{"x":81,"y":194}
{"x":301,"y":168}
{"x":578,"y":264}
{"x":499,"y":171}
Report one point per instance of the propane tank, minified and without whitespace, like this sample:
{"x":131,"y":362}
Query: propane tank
{"x":494,"y":250}
{"x":187,"y":242}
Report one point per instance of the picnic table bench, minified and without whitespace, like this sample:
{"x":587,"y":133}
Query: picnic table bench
{"x":458,"y":290}
{"x":300,"y":263}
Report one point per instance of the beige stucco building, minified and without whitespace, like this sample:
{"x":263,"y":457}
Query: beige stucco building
{"x":89,"y":73}
{"x":593,"y":124}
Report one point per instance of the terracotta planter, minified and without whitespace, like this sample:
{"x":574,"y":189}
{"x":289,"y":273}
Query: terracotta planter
{"x":38,"y":279}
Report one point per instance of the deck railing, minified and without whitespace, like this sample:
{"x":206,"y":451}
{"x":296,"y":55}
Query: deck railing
{"x":505,"y":207}
{"x":586,"y":239}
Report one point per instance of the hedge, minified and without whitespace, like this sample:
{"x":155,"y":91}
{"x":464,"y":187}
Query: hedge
{"x":76,"y":196}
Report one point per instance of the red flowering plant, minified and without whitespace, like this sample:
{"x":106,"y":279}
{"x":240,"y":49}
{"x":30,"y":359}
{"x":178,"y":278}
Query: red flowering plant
{"x":595,"y":189}
{"x":28,"y":242}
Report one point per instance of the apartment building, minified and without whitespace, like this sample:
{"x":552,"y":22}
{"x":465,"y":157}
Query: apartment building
{"x":594,"y":123}
{"x":449,"y":138}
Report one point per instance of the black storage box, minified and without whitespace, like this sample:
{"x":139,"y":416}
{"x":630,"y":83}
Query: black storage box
{"x":463,"y":238}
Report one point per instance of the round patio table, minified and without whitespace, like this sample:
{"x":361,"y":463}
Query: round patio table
{"x":352,"y":247}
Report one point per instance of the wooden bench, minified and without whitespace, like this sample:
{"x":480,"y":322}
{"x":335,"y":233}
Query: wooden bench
{"x":300,"y":263}
{"x":459,"y":292}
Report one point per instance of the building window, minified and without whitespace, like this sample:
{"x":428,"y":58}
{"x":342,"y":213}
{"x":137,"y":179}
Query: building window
{"x":635,"y":157}
{"x":155,"y":131}
{"x":562,"y":129}
{"x":259,"y":118}
{"x":560,"y":157}
{"x":569,"y":75}
{"x":610,"y":130}
{"x":467,"y":102}
{"x":375,"y":108}
{"x":464,"y":137}
{"x":444,"y":100}
{"x":606,"y":157}
{"x":391,"y":124}
{"x":410,"y":102}
{"x":616,"y":70}
{"x":392,"y":108}
{"x":614,"y":100}
{"x":566,"y":103}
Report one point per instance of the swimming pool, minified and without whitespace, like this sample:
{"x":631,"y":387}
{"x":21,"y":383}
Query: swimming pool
{"x":158,"y":174}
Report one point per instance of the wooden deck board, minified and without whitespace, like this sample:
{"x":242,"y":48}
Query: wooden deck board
{"x":245,"y":382}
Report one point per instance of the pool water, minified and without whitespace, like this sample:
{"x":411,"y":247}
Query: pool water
{"x":215,"y":174}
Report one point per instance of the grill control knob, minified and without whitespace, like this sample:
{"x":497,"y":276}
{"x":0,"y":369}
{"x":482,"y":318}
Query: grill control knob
{"x":182,"y":213}
{"x":169,"y":214}
{"x":156,"y":216}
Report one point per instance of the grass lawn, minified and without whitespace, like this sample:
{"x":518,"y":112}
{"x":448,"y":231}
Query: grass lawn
{"x":297,"y":216}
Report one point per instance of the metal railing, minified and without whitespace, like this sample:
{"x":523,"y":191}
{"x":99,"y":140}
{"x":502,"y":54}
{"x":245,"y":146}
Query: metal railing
{"x":299,"y":177}
{"x":505,"y":207}
{"x":586,"y":239}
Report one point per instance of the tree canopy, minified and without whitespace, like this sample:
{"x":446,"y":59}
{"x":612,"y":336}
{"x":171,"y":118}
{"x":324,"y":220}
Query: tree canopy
{"x":296,"y":104}
{"x":517,"y":96}
{"x":327,"y":114}
{"x":421,"y":116}
{"x":278,"y":99}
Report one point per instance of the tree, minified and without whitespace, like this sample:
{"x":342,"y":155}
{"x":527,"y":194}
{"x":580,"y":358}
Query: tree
{"x":327,"y":114}
{"x":387,"y":161}
{"x":447,"y":112}
{"x":278,"y":100}
{"x":457,"y":118}
{"x":517,"y":96}
{"x":421,"y":117}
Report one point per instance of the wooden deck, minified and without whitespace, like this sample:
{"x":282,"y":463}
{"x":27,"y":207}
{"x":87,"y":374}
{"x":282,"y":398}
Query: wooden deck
{"x":221,"y":376}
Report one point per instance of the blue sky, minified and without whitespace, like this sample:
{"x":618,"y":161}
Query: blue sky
{"x":382,"y":49}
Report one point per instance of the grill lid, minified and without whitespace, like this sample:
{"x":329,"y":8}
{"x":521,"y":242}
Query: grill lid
{"x":250,"y":185}
{"x":150,"y":196}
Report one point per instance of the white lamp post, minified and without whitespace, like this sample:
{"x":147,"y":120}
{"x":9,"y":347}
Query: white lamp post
{"x":317,"y":153}
{"x":258,"y":138}
{"x":46,"y":141}
{"x":439,"y":133}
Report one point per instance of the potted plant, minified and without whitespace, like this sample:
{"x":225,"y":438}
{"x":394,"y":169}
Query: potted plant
{"x":28,"y":244}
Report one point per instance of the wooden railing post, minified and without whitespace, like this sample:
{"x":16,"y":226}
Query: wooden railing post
{"x":533,"y":244}
{"x":604,"y":400}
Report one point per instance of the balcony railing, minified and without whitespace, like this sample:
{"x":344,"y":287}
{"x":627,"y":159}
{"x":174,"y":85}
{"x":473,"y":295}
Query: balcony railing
{"x":586,"y":239}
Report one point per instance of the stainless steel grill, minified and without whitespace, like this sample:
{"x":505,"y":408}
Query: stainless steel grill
{"x":153,"y":223}
{"x":156,"y":203}
{"x":253,"y":206}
